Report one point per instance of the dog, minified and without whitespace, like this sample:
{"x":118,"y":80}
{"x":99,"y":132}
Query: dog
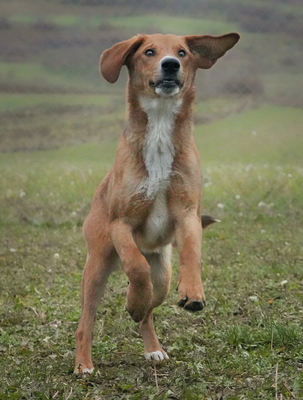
{"x":152,"y":196}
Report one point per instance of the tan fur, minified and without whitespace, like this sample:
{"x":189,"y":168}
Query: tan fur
{"x":134,"y":217}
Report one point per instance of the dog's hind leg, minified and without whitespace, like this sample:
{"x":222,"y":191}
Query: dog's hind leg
{"x":160,"y":274}
{"x":101,"y":261}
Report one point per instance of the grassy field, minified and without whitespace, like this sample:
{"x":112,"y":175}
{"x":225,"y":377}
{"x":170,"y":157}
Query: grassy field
{"x":59,"y":124}
{"x":246,"y":344}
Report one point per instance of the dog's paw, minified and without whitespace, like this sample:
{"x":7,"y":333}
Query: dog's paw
{"x":191,"y":297}
{"x":136,"y":314}
{"x":83,"y":372}
{"x":156,"y":356}
{"x":138,"y":301}
{"x":192,"y":305}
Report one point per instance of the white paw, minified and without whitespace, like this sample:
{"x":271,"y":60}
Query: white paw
{"x":156,"y":356}
{"x":85,"y":371}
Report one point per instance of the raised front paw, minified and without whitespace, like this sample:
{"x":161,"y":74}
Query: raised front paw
{"x":192,"y":298}
{"x":139,"y":299}
{"x":192,"y":305}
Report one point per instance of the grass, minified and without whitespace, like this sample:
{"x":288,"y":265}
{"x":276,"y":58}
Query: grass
{"x":274,"y":133}
{"x":14,"y":101}
{"x":44,"y":121}
{"x":32,"y":77}
{"x":175,"y":25}
{"x":247,"y":343}
{"x":252,"y":273}
{"x":165,"y":24}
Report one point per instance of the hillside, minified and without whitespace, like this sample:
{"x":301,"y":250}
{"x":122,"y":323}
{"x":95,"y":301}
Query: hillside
{"x":50,"y":50}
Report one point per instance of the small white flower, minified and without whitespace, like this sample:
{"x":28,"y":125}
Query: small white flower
{"x":283,"y":283}
{"x":240,"y":214}
{"x":263,"y":230}
{"x":261,"y":204}
{"x":74,"y":214}
{"x":220,"y":205}
{"x":287,"y":244}
{"x":56,"y":256}
{"x":253,"y":298}
{"x":21,"y":193}
{"x":12,"y":250}
{"x":238,"y":253}
{"x":237,"y":197}
{"x":289,"y":175}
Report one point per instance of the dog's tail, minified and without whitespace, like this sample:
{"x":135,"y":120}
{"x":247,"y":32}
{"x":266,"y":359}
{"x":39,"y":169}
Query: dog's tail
{"x":208,"y":220}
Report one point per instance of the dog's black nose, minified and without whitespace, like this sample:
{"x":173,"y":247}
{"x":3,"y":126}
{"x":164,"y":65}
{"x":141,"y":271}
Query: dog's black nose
{"x":170,"y":65}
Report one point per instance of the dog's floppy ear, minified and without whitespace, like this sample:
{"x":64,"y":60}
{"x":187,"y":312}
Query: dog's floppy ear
{"x":111,"y":60}
{"x":208,"y":49}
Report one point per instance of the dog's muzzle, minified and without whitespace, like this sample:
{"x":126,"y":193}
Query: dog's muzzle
{"x":168,"y":83}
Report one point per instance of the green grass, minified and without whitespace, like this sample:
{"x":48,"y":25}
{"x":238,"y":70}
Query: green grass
{"x":263,"y":135}
{"x":34,"y":77}
{"x":252,"y":324}
{"x":248,"y":340}
{"x":175,"y":25}
{"x":165,"y":24}
{"x":44,"y":121}
{"x":14,"y":101}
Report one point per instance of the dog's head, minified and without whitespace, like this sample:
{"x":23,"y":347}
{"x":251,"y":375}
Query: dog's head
{"x":164,"y":65}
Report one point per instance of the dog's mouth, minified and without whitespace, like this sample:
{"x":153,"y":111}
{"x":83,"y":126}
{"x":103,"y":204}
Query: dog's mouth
{"x":168,"y":84}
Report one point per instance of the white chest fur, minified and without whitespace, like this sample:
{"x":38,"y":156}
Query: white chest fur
{"x":158,"y":157}
{"x":158,"y":151}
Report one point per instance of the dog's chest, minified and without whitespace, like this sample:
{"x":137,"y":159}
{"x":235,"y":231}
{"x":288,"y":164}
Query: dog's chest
{"x":158,"y":151}
{"x":158,"y":222}
{"x":158,"y":156}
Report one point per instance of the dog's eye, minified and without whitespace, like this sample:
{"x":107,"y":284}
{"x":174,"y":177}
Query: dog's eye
{"x":149,"y":52}
{"x":182,"y":53}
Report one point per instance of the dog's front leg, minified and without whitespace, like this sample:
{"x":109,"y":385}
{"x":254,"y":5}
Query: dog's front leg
{"x":140,"y":290}
{"x":189,"y":240}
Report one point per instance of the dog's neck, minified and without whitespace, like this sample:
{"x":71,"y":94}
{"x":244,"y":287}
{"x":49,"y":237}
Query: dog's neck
{"x":158,"y":151}
{"x":157,"y":129}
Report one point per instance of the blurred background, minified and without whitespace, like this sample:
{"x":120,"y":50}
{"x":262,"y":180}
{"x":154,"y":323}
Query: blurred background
{"x":51,"y":93}
{"x":59,"y":126}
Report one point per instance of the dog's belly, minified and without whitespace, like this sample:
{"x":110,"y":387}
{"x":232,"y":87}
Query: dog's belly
{"x":158,"y":229}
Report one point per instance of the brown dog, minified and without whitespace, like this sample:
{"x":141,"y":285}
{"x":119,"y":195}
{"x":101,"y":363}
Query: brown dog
{"x":152,"y":196}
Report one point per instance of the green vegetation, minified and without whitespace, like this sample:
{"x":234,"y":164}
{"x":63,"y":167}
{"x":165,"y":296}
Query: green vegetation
{"x":253,"y":320}
{"x":59,"y":125}
{"x":263,"y":135}
{"x":175,"y":25}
